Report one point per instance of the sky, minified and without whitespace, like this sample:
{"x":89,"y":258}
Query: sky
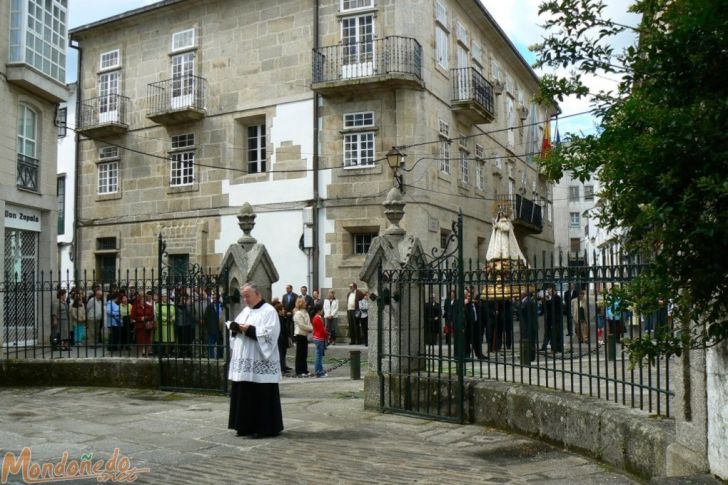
{"x":518,"y":18}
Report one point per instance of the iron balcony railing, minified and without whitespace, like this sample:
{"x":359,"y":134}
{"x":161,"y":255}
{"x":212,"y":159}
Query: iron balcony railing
{"x":389,"y":55}
{"x":103,"y":110}
{"x":28,"y":173}
{"x":177,"y":94}
{"x":468,"y":85}
{"x":520,"y":209}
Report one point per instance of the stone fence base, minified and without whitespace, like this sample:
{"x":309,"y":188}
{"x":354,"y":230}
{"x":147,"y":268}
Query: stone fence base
{"x":625,"y":438}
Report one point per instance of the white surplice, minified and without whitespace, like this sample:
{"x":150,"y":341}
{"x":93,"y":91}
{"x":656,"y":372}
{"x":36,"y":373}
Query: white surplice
{"x":256,"y":360}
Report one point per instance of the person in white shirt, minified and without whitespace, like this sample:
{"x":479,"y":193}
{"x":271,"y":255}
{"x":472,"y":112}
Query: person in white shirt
{"x":352,"y":308}
{"x":331,"y":311}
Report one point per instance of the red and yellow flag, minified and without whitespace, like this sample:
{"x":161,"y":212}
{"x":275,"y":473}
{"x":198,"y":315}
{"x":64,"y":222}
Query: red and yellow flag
{"x":546,"y":143}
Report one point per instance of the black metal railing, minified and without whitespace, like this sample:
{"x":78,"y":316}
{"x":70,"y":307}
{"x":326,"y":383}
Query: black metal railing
{"x":28,"y":173}
{"x":103,"y":110}
{"x":546,"y":325}
{"x":389,"y":55}
{"x":520,"y":210}
{"x":177,"y":94}
{"x":469,"y":85}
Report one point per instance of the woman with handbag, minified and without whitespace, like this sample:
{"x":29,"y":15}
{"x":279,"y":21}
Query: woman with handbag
{"x":302,"y":327}
{"x":142,"y":315}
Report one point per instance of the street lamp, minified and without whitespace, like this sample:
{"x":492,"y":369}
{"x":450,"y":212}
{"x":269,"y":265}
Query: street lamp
{"x":395,"y":159}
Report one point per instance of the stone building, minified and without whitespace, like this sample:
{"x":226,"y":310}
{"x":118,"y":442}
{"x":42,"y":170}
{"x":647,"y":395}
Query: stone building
{"x":190,"y":108}
{"x":33,"y":55}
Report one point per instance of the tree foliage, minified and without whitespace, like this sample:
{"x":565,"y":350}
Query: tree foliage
{"x":660,"y":151}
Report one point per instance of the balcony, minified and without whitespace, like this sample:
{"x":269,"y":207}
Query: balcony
{"x":472,"y":95}
{"x":177,"y":100}
{"x":28,"y":173}
{"x":104,"y":116}
{"x":391,"y":62}
{"x":523,"y":213}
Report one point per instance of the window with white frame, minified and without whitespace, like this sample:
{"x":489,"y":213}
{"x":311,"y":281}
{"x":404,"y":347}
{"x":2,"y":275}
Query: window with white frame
{"x":574,"y":219}
{"x":464,"y":167}
{"x":110,"y":60}
{"x":495,"y":71}
{"x":347,"y":5}
{"x":108,"y":177}
{"x":38,"y":35}
{"x":108,"y":153}
{"x":182,"y":160}
{"x":444,"y":147}
{"x":441,"y":46}
{"x":359,"y":149}
{"x":461,"y":33}
{"x":480,"y":175}
{"x":463,"y":141}
{"x":588,"y":192}
{"x":357,"y":37}
{"x":511,"y":121}
{"x":184,"y":39}
{"x":499,"y":163}
{"x":477,"y":53}
{"x":256,"y":148}
{"x":573,"y":193}
{"x":62,"y":122}
{"x":27,"y":131}
{"x":441,"y":14}
{"x":479,"y":152}
{"x":359,"y":120}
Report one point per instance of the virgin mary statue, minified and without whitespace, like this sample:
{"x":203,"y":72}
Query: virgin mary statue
{"x":503,"y":244}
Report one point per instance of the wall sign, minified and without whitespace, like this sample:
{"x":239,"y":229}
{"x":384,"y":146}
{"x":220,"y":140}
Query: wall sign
{"x":22,"y":218}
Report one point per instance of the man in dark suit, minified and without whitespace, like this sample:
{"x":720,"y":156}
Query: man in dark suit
{"x":352,"y":310}
{"x":433,"y":314}
{"x":308,"y":299}
{"x":569,"y":295}
{"x":449,"y":316}
{"x":528,"y":321}
{"x":289,"y":305}
{"x":473,"y":331}
{"x":553,"y":322}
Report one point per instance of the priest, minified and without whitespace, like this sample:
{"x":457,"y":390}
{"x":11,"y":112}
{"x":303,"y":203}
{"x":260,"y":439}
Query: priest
{"x":255,"y":368}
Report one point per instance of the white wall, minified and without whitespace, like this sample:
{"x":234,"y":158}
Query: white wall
{"x":67,"y":165}
{"x":717,"y":387}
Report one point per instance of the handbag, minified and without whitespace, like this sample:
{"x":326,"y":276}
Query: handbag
{"x":149,"y":325}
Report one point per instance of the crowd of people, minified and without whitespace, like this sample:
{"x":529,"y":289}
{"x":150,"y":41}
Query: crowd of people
{"x":125,"y":319}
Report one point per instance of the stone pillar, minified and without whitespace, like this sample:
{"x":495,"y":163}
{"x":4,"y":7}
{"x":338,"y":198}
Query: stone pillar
{"x":247,"y":261}
{"x":400,"y":303}
{"x":717,"y":384}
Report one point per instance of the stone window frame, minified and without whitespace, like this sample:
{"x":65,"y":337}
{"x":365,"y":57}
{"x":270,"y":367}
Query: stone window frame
{"x":261,"y":149}
{"x":574,"y":219}
{"x":574,"y":193}
{"x":361,"y":242}
{"x":107,"y":171}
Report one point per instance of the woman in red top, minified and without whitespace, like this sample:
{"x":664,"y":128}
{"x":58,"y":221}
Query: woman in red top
{"x":142,"y":314}
{"x":320,"y":335}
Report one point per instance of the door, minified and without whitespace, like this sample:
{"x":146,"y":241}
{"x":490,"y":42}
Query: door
{"x":106,"y":265}
{"x":463,"y":77}
{"x":357,"y":39}
{"x":108,"y":97}
{"x":183,"y":81}
{"x":20,"y":300}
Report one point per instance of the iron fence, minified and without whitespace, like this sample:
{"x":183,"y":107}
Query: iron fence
{"x":549,"y":324}
{"x":177,"y":94}
{"x":469,"y":85}
{"x":104,"y":110}
{"x":388,"y":55}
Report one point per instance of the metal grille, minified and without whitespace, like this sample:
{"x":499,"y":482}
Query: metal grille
{"x":19,"y":295}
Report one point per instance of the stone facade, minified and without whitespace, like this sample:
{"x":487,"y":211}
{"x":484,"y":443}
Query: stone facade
{"x":258,"y":69}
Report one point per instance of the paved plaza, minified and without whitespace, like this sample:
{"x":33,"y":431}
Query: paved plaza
{"x":328,"y":438}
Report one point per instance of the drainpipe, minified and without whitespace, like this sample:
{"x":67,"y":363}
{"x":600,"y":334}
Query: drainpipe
{"x":315,"y":249}
{"x":77,"y":170}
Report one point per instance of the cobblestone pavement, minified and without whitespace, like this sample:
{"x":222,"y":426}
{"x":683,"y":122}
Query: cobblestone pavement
{"x":328,"y":438}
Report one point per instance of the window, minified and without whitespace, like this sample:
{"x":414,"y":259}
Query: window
{"x":441,"y":46}
{"x":357,"y":37}
{"x":38,"y":35}
{"x":182,"y":165}
{"x":183,"y":40}
{"x":108,"y":90}
{"x":178,"y":267}
{"x":464,"y":167}
{"x":61,"y":203}
{"x":109,"y":153}
{"x":359,"y":149}
{"x":575,"y":244}
{"x":498,"y":163}
{"x":256,"y":149}
{"x":358,"y":120}
{"x":575,"y":219}
{"x":362,"y":242}
{"x":441,"y":14}
{"x":463,"y":141}
{"x":573,"y":193}
{"x":106,"y":244}
{"x":479,"y":152}
{"x":108,"y":178}
{"x":480,"y":175}
{"x":444,"y":238}
{"x":27,"y":131}
{"x":477,"y":53}
{"x":495,"y":71}
{"x":110,"y":60}
{"x":588,"y":192}
{"x":510,"y":121}
{"x":61,"y":122}
{"x":347,"y":5}
{"x":444,"y":147}
{"x":461,"y":32}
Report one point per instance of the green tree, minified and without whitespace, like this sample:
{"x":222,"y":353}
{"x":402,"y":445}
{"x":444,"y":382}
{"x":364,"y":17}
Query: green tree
{"x":660,"y":150}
